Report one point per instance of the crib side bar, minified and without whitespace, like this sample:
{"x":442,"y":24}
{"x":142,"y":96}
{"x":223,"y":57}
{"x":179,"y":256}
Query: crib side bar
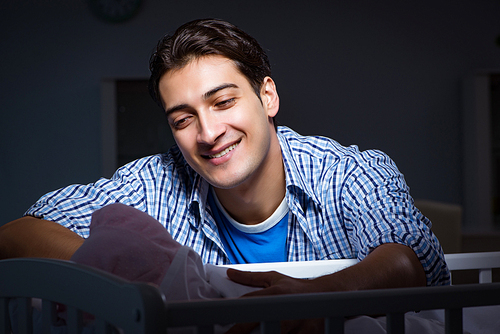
{"x":480,"y":260}
{"x":75,"y":320}
{"x":334,"y":325}
{"x":25,"y":316}
{"x":335,"y":304}
{"x":4,"y":316}
{"x":453,"y":318}
{"x":485,"y":276}
{"x":143,"y":302}
{"x":395,"y":322}
{"x":49,"y":315}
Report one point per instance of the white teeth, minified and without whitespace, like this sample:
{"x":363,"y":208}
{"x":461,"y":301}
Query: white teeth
{"x":226,"y":151}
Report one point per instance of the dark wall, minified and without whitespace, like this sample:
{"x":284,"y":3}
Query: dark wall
{"x":379,"y":74}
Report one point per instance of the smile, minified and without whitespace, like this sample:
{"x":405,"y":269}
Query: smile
{"x":223,"y":153}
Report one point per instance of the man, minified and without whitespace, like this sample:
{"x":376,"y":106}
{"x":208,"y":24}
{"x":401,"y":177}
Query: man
{"x":236,"y":188}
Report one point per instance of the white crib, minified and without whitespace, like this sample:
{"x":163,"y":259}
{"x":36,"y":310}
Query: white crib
{"x":140,"y":308}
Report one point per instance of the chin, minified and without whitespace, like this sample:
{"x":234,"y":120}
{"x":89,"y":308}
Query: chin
{"x":227,"y":182}
{"x":224,"y":185}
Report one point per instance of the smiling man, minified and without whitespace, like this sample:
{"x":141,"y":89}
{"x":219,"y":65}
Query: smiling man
{"x":226,"y":134}
{"x":238,"y":189}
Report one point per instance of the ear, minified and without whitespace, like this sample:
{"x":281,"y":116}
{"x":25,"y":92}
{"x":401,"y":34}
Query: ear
{"x":269,"y":97}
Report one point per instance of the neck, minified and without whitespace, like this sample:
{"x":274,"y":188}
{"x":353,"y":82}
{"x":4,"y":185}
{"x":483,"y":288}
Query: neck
{"x":257,"y":198}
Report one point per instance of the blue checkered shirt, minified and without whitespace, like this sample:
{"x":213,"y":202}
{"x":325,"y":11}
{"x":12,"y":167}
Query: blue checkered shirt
{"x":343,"y":203}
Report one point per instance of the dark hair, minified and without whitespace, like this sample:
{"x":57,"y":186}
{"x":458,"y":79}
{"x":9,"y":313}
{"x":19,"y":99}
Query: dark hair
{"x":204,"y":37}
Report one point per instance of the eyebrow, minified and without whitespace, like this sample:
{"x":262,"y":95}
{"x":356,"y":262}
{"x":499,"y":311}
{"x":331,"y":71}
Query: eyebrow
{"x":218,"y":88}
{"x":175,"y":108}
{"x":206,"y":96}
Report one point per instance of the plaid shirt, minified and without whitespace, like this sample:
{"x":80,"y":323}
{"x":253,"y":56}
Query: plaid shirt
{"x":343,"y":203}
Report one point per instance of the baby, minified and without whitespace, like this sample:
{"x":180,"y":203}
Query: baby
{"x":133,"y":245}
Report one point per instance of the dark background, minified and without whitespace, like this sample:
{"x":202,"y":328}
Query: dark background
{"x":379,"y":74}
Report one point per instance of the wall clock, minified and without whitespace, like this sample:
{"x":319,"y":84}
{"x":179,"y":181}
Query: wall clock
{"x":115,"y":10}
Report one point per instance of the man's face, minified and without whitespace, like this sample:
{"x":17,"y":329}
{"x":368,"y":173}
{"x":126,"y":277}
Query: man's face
{"x":222,"y":128}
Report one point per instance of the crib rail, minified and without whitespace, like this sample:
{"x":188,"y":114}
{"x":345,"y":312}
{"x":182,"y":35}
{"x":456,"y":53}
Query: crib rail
{"x":484,"y":262}
{"x":140,"y":308}
{"x":335,"y":306}
{"x":133,"y":307}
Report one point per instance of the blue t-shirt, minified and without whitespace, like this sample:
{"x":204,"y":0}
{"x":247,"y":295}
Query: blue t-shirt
{"x":264,"y":242}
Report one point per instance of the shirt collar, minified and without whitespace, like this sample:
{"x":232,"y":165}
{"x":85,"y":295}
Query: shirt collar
{"x":195,"y":186}
{"x":294,"y":178}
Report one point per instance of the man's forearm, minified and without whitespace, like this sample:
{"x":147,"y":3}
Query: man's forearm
{"x":34,"y":237}
{"x":388,"y":266}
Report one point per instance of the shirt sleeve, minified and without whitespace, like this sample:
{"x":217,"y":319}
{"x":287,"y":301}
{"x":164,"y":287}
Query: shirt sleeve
{"x":72,"y":206}
{"x":378,"y":208}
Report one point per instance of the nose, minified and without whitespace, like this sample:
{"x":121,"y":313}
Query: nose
{"x":210,"y":129}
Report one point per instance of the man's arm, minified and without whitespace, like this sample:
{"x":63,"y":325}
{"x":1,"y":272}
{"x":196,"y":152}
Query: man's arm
{"x":34,"y":237}
{"x":388,"y":266}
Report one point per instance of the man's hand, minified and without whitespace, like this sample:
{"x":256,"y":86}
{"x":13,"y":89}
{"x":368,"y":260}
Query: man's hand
{"x":274,"y":283}
{"x":388,"y":266}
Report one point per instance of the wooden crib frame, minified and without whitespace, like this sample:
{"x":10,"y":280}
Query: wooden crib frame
{"x":141,"y":308}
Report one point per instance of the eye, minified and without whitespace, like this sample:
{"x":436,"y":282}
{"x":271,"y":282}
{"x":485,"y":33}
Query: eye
{"x":181,"y":122}
{"x":226,"y":103}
